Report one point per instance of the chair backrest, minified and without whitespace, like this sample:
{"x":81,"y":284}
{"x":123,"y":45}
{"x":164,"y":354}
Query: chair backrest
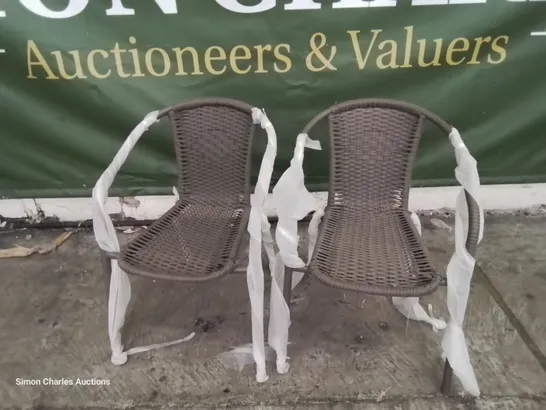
{"x":373,"y":144}
{"x":213,"y":146}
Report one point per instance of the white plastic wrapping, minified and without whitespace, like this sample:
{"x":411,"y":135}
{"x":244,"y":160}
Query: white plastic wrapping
{"x":260,"y":233}
{"x":240,"y":356}
{"x":292,"y":202}
{"x":410,"y":306}
{"x":460,"y":269}
{"x":412,"y":309}
{"x":459,"y":273}
{"x":417,"y":222}
{"x":105,"y":235}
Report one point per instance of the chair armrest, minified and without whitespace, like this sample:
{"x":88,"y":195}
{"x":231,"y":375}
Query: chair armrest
{"x":105,"y":234}
{"x":467,"y":175}
{"x":262,"y":186}
{"x":475,"y":224}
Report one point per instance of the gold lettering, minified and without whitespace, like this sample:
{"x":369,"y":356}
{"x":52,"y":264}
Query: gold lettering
{"x":136,"y":61}
{"x":407,"y":51}
{"x":180,"y":61}
{"x":479,"y":42}
{"x":91,"y":64}
{"x":233,"y":58}
{"x":284,"y":58}
{"x":32,"y":49}
{"x":149,"y":61}
{"x":209,"y":58}
{"x":260,"y":49}
{"x":453,"y":48}
{"x":77,"y":65}
{"x":501,"y":51}
{"x":437,"y":53}
{"x":116,"y":51}
{"x":356,"y":46}
{"x":390,"y":54}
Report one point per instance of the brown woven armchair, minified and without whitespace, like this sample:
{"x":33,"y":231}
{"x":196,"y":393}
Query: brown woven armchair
{"x":199,"y":238}
{"x":367,"y":241}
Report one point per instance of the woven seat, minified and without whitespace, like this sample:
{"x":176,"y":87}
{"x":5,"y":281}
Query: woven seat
{"x":191,"y":242}
{"x":377,"y":253}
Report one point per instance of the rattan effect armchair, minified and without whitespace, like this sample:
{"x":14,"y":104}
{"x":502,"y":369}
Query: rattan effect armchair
{"x":199,"y":239}
{"x":367,"y":241}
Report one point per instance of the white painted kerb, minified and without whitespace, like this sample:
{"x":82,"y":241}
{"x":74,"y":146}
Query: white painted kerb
{"x":494,"y":197}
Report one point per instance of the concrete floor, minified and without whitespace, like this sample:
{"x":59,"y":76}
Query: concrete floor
{"x":347,"y":349}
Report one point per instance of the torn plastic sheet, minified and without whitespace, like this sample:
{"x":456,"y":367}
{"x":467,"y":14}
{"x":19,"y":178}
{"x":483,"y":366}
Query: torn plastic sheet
{"x":412,"y":309}
{"x":417,"y":222}
{"x":459,"y":273}
{"x":241,"y":356}
{"x":410,"y":306}
{"x":292,"y":202}
{"x":461,"y":267}
{"x":260,"y":234}
{"x":105,"y":235}
{"x":312,"y":234}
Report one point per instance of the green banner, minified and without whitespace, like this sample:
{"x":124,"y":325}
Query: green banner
{"x":78,"y":75}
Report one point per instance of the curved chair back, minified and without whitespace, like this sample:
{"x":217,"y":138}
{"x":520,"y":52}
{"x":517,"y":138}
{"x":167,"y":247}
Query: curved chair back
{"x":373,"y":143}
{"x":213,"y":146}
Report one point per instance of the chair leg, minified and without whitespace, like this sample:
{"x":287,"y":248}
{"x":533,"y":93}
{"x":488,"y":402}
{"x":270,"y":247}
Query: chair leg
{"x":107,"y":268}
{"x":447,"y":380}
{"x":287,"y":285}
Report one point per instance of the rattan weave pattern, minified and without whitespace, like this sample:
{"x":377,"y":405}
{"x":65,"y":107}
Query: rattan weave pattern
{"x":191,"y":242}
{"x":212,"y":146}
{"x":379,"y":253}
{"x":367,"y":241}
{"x":373,"y":150}
{"x":199,"y":238}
